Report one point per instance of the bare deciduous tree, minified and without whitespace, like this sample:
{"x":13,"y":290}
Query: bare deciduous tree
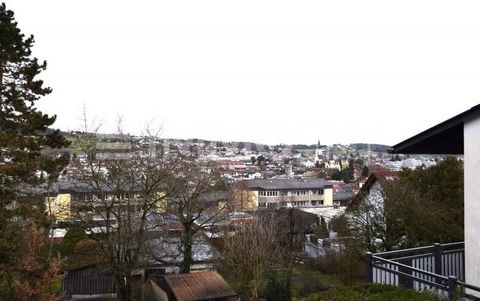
{"x":120,"y":195}
{"x":250,"y":254}
{"x":126,"y":196}
{"x":198,"y":200}
{"x":124,"y":193}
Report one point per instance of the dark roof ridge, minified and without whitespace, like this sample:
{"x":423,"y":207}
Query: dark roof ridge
{"x":379,"y":176}
{"x":426,"y":142}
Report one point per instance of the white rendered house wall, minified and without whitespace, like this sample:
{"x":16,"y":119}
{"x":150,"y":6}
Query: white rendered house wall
{"x":472,"y":201}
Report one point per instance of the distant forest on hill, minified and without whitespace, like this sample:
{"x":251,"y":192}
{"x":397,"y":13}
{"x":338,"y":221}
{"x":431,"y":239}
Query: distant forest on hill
{"x":379,"y":148}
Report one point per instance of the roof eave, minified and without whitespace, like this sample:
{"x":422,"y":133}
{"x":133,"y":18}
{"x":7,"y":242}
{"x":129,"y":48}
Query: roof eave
{"x":443,"y":138}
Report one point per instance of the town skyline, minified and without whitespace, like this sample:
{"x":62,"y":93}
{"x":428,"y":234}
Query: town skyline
{"x":247,"y":144}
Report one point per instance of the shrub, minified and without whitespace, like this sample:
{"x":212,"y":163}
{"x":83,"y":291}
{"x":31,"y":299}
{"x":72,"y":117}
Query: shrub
{"x":347,"y":264}
{"x":72,"y":237}
{"x":372,"y":292}
{"x":275,"y":289}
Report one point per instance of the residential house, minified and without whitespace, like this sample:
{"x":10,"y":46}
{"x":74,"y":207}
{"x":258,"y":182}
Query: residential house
{"x":294,"y":224}
{"x":332,"y":164}
{"x":367,"y":210}
{"x":342,"y":193}
{"x":372,"y":190}
{"x":299,"y":221}
{"x":240,"y":219}
{"x":275,"y":193}
{"x":113,"y":150}
{"x":72,"y":199}
{"x":89,"y":282}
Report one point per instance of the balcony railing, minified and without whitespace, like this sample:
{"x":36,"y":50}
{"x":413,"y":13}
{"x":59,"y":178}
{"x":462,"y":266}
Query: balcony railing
{"x":438,"y":268}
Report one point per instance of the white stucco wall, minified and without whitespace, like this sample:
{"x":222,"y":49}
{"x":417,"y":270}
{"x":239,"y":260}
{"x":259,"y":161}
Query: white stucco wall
{"x":472,"y":201}
{"x":328,"y":196}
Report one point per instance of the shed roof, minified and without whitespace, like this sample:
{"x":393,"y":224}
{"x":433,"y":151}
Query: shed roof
{"x":444,"y":138}
{"x":199,"y":286}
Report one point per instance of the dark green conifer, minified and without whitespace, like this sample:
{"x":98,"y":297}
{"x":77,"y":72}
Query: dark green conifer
{"x":24,"y":134}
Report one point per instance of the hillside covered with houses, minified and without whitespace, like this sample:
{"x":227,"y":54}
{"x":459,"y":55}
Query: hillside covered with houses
{"x":87,"y":215}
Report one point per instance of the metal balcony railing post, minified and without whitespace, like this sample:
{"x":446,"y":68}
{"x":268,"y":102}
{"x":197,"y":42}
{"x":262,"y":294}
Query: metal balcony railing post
{"x":452,"y":286}
{"x":437,"y":253}
{"x":369,"y":267}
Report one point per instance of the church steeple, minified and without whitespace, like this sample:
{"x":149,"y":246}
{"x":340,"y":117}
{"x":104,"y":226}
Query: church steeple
{"x":318,"y":152}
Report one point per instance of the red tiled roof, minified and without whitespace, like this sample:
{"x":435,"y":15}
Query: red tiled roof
{"x":385,"y":175}
{"x":380,"y":176}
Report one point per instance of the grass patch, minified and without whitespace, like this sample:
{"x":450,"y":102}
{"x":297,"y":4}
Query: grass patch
{"x":306,"y":281}
{"x":301,"y":272}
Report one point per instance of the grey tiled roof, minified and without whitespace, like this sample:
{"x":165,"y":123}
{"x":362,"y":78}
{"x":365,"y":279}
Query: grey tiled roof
{"x":343,"y":196}
{"x":287,"y":184}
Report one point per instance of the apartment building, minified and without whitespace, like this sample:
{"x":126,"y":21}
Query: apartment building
{"x":275,"y":193}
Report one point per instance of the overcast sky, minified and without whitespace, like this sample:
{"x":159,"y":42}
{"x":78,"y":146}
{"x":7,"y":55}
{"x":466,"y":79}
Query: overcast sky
{"x":260,"y":71}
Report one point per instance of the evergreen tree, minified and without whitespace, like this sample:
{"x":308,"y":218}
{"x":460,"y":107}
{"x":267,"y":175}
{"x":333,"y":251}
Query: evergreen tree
{"x":23,"y":134}
{"x":276,"y":290}
{"x":345,"y":175}
{"x":322,"y":231}
{"x":439,"y":214}
{"x":421,"y":207}
{"x":74,"y":235}
{"x":365,"y":171}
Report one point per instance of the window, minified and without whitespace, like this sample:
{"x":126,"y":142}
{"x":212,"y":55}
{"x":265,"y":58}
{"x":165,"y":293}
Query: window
{"x":268,"y":193}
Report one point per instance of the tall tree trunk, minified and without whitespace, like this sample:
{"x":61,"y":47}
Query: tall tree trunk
{"x":187,"y":242}
{"x":1,"y":78}
{"x":123,"y":285}
{"x":291,"y":251}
